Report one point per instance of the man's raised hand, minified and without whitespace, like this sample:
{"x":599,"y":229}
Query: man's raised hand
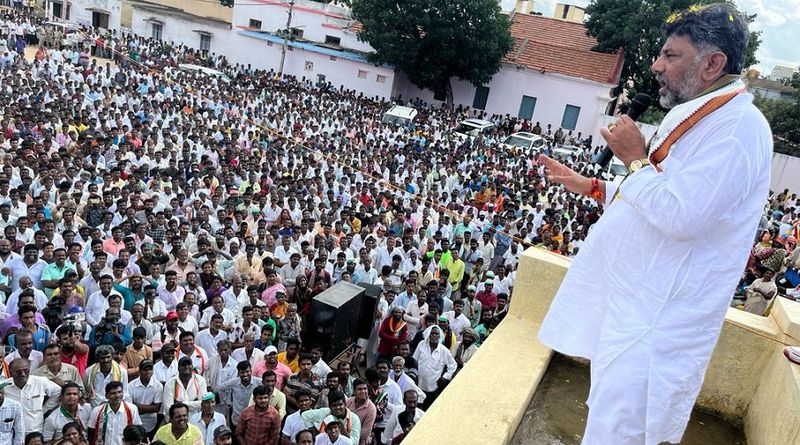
{"x":570,"y":179}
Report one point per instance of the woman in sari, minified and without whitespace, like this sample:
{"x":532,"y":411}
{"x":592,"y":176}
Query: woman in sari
{"x":768,"y":252}
{"x":273,"y":286}
{"x":761,"y":293}
{"x":216,"y":288}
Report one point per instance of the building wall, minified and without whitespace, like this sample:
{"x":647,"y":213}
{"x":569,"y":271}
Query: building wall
{"x":784,"y":173}
{"x":769,"y":93}
{"x":573,"y":13}
{"x":308,"y":64}
{"x":80,"y":13}
{"x":179,"y":30}
{"x":201,"y":8}
{"x":552,"y":93}
{"x":317,"y":20}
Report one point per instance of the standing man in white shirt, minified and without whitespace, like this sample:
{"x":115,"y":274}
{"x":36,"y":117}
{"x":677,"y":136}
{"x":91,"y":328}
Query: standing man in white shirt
{"x":36,"y":395}
{"x":186,"y":387}
{"x":689,"y":207}
{"x":436,"y":364}
{"x":147,"y":394}
{"x":110,"y":418}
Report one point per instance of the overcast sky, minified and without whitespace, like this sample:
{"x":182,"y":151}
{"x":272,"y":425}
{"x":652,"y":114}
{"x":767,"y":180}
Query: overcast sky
{"x":780,"y":23}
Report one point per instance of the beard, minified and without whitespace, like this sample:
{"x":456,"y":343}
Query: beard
{"x":685,"y":88}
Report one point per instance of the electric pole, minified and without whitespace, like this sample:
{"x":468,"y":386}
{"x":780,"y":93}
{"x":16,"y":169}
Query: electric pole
{"x":286,"y":37}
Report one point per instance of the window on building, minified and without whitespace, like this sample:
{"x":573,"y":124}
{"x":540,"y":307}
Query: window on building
{"x":100,"y":20}
{"x":255,"y":24}
{"x":331,"y":40}
{"x":526,"y":107}
{"x":570,"y":119}
{"x":481,"y":96}
{"x":334,"y":58}
{"x":320,"y":79}
{"x":205,"y":42}
{"x":297,"y":32}
{"x":269,"y":43}
{"x":362,"y":74}
{"x":157,"y":30}
{"x":380,"y":79}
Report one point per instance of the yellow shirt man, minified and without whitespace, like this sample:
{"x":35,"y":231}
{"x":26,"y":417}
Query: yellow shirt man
{"x":192,"y":436}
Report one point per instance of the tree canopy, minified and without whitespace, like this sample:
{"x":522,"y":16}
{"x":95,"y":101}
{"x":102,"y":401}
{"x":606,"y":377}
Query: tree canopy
{"x":432,"y":41}
{"x":784,"y":118}
{"x":635,"y":26}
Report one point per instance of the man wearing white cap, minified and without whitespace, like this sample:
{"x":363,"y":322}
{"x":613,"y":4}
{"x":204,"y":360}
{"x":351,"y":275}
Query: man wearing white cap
{"x":271,"y":363}
{"x":486,"y":296}
{"x":332,"y":434}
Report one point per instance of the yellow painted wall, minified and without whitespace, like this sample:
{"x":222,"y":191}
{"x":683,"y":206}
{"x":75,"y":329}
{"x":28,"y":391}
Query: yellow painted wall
{"x":202,"y":8}
{"x":574,"y":14}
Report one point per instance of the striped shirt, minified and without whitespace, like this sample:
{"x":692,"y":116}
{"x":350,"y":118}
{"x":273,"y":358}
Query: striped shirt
{"x":12,"y":427}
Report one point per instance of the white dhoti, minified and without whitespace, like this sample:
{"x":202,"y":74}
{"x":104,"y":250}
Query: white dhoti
{"x":646,"y":296}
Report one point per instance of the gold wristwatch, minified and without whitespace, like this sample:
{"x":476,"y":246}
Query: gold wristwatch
{"x":638,"y":164}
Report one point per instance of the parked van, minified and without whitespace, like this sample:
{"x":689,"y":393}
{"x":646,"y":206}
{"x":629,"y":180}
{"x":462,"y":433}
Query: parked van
{"x":190,"y":68}
{"x":70,"y":32}
{"x":400,"y":116}
{"x":524,"y":142}
{"x":472,"y":128}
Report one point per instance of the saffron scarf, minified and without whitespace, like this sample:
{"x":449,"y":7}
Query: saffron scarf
{"x":100,"y":431}
{"x":396,"y":328}
{"x":348,"y":424}
{"x":685,"y":116}
{"x":199,"y":355}
{"x":178,"y":388}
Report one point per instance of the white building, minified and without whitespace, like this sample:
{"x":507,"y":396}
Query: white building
{"x":194,"y":23}
{"x":781,"y":73}
{"x":100,"y":13}
{"x":551,"y":75}
{"x":324,"y":45}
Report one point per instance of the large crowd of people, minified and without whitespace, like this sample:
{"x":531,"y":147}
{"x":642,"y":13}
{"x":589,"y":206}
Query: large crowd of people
{"x":164,"y":233}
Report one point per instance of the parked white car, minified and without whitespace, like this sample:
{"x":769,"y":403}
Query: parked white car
{"x":524,"y":142}
{"x":566,"y":151}
{"x":70,"y":32}
{"x":197,"y":69}
{"x":472,"y":128}
{"x":400,"y":116}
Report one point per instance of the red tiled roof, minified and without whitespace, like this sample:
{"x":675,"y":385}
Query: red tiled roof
{"x":558,"y":46}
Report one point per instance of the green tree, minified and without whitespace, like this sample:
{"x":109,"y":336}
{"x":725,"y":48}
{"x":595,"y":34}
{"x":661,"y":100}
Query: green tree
{"x":635,"y":27}
{"x":784,"y":119}
{"x":432,"y":41}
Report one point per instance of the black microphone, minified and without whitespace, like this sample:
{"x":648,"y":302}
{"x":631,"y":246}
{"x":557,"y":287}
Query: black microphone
{"x":640,"y":103}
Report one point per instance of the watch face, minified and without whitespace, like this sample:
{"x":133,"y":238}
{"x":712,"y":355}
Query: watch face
{"x":636,"y":165}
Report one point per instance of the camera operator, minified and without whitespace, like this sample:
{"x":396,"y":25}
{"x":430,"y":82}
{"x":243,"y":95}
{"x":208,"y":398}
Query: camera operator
{"x":110,"y":330}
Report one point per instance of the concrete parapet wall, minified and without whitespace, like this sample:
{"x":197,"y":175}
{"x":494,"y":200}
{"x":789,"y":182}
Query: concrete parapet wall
{"x":488,"y":413}
{"x":748,"y":380}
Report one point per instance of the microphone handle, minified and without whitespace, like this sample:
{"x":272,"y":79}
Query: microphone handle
{"x":607,"y":154}
{"x":605,"y":157}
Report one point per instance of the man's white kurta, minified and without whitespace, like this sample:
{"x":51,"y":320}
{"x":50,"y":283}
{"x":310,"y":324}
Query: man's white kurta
{"x":646,"y":297}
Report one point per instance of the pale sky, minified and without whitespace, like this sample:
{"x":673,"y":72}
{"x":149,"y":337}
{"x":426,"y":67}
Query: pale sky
{"x":780,"y":40}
